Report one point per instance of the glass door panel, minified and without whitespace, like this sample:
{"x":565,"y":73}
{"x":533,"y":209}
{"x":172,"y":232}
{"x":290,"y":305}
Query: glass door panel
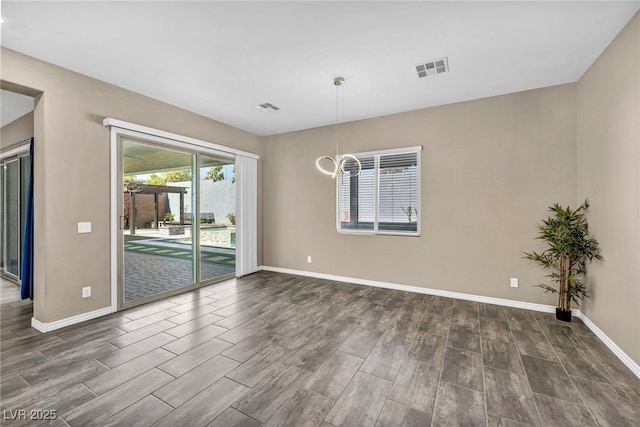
{"x":217,"y":217}
{"x":157,"y":220}
{"x":13,"y":217}
{"x":25,"y":169}
{"x":2,"y":216}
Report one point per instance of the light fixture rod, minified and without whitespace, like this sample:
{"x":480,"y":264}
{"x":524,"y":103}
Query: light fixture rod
{"x":337,"y":164}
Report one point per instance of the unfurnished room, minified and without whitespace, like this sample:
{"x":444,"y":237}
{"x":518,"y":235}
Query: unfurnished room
{"x":320,"y":213}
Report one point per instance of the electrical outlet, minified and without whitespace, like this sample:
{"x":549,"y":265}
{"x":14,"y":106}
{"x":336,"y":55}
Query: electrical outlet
{"x":514,"y":282}
{"x":309,"y":259}
{"x":86,"y":292}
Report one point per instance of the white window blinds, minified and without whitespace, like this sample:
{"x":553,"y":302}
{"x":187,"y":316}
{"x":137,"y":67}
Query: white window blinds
{"x":385,"y":197}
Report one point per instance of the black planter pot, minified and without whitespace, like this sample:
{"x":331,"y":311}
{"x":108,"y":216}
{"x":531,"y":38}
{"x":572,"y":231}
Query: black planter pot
{"x":564,"y":315}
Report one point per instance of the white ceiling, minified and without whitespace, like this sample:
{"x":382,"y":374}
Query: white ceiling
{"x":221,"y":59}
{"x":13,"y":106}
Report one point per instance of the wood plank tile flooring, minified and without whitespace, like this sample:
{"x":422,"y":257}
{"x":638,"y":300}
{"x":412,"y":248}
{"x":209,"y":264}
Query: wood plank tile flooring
{"x":272,"y":349}
{"x":9,"y":291}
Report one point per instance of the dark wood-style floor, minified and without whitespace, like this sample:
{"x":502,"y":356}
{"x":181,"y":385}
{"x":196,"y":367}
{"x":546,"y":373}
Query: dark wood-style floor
{"x":281,"y":350}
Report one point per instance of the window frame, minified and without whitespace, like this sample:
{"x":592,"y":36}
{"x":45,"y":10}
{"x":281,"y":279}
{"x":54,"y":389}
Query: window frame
{"x":377,"y":154}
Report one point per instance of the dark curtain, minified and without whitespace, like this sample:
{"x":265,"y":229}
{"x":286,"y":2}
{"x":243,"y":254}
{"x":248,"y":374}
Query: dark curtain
{"x":27,"y":248}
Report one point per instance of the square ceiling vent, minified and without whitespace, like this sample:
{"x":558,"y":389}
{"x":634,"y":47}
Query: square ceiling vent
{"x":267,"y":107}
{"x":437,"y":66}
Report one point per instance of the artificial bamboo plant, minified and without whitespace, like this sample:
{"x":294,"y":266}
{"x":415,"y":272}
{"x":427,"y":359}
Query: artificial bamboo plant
{"x":570,"y":246}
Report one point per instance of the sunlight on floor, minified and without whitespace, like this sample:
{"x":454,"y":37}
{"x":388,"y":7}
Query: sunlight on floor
{"x":9,"y":291}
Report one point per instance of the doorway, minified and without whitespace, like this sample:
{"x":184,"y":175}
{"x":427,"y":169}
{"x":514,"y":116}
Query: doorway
{"x":15,"y":165}
{"x":177,"y":220}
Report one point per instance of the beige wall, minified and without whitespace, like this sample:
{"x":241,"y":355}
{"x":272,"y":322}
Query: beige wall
{"x":490,"y":168}
{"x":72,"y":175}
{"x":17,"y":130}
{"x":609,"y":175}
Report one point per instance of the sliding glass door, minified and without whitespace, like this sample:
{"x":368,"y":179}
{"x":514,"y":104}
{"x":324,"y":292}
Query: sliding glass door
{"x":217,"y":217}
{"x":176,"y":222}
{"x":2,"y":217}
{"x":14,"y":180}
{"x":12,"y":196}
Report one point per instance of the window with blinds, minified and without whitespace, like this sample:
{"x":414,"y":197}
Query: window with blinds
{"x":385,"y":197}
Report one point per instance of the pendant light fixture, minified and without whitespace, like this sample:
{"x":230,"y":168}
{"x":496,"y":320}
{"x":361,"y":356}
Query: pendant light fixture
{"x":337,"y":163}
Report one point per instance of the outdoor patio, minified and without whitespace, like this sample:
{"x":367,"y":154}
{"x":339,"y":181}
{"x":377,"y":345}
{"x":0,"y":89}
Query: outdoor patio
{"x":155,"y":263}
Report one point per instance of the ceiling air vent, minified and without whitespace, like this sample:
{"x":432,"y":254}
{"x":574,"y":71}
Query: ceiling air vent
{"x":437,"y":66}
{"x":267,"y":107}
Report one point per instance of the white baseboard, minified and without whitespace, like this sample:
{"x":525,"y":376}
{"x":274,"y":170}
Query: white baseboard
{"x":620,"y":354}
{"x":630,"y":363}
{"x":51,"y":326}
